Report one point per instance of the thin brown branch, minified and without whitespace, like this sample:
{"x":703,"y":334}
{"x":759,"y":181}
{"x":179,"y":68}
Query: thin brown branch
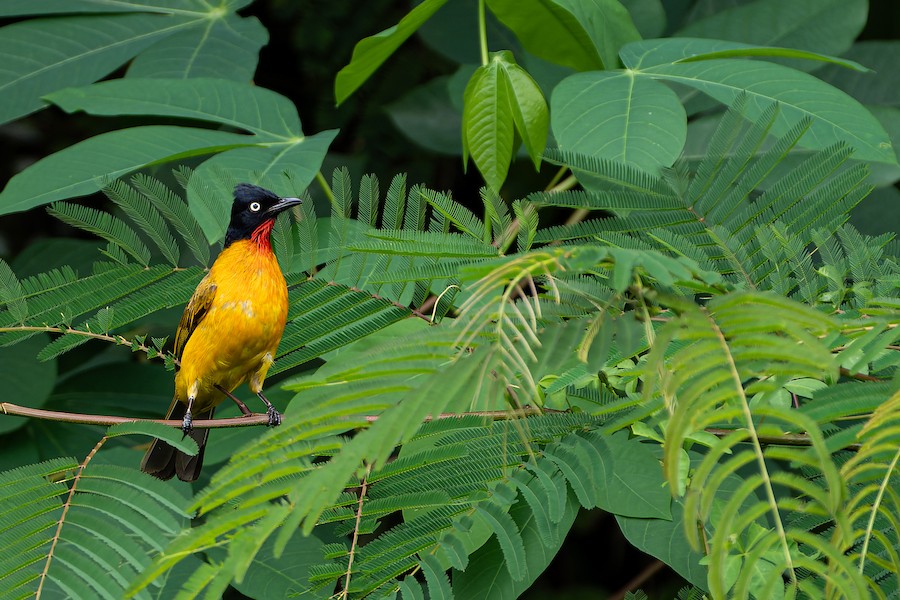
{"x":355,"y":542}
{"x":785,"y":439}
{"x":858,"y":376}
{"x":497,"y":415}
{"x":8,"y":408}
{"x":119,"y":340}
{"x":640,"y":579}
{"x":65,"y":511}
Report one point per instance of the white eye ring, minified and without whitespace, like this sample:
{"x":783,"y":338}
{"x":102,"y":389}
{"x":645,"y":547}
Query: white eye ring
{"x":254,"y":206}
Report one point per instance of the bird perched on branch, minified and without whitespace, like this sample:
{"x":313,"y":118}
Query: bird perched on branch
{"x":230,"y":328}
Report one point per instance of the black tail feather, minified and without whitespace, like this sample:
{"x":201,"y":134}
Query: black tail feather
{"x":164,"y":461}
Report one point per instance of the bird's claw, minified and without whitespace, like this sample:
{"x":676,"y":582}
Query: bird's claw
{"x":187,"y":424}
{"x":274,"y":417}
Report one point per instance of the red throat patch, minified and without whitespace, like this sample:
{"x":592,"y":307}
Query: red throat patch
{"x":262,"y":235}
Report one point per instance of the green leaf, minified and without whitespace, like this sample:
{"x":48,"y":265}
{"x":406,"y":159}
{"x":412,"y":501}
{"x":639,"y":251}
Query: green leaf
{"x":438,"y":583}
{"x":271,"y":576}
{"x":826,"y":26}
{"x":617,"y":116}
{"x":12,"y":294}
{"x":487,"y":126}
{"x":226,"y":46}
{"x":111,"y":228}
{"x":43,"y":55}
{"x":426,"y":115}
{"x":836,"y":116}
{"x":487,"y":578}
{"x":684,"y":50}
{"x":880,"y":87}
{"x":529,"y":110}
{"x":607,"y":22}
{"x":171,"y":435}
{"x":268,"y":115}
{"x":78,"y":169}
{"x":649,"y":16}
{"x":549,"y":31}
{"x":508,"y":536}
{"x":26,"y":380}
{"x":372,"y":51}
{"x":632,"y":477}
{"x":665,"y":540}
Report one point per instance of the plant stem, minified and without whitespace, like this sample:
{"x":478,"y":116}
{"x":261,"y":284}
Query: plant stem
{"x":325,"y":187}
{"x":482,"y":33}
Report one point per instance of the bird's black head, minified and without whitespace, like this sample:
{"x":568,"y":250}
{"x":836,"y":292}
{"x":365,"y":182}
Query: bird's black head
{"x":253,"y":212}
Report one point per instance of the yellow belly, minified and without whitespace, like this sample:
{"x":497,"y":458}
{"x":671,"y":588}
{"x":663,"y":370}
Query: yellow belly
{"x":237,"y":338}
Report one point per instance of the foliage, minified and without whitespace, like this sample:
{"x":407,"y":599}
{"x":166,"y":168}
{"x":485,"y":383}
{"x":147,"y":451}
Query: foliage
{"x":704,"y":349}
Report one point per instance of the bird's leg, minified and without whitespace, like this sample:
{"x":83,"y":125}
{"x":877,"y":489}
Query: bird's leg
{"x":274,"y":415}
{"x":246,"y":411}
{"x":187,"y":424}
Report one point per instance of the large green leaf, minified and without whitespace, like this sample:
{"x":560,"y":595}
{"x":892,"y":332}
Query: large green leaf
{"x":486,"y":577}
{"x":650,"y":53}
{"x":836,"y":116}
{"x":633,"y":480}
{"x":426,"y":115}
{"x":17,"y":8}
{"x":226,"y":47}
{"x":607,"y":22}
{"x":618,"y":116}
{"x":878,"y":87}
{"x":649,"y":16}
{"x":276,"y":145}
{"x":175,"y":38}
{"x":43,"y":55}
{"x":666,"y":541}
{"x":79,"y":169}
{"x":826,"y":26}
{"x":372,"y":51}
{"x":266,"y":114}
{"x":282,"y":576}
{"x":550,"y":31}
{"x":26,"y":380}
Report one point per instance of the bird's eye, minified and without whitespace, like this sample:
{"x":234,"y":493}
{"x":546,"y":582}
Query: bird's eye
{"x":254,"y":206}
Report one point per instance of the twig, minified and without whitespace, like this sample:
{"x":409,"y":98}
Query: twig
{"x":641,"y":578}
{"x":66,"y":505}
{"x":859,"y":376}
{"x":354,"y":543}
{"x":119,"y":340}
{"x":785,"y":439}
{"x":8,"y":408}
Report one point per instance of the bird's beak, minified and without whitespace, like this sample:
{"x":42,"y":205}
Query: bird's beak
{"x":282,"y":205}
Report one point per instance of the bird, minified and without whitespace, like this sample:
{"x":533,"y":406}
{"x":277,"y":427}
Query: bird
{"x":229,"y":331}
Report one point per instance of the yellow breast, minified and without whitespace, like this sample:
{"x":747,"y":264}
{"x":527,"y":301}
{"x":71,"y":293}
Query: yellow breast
{"x":243,"y":325}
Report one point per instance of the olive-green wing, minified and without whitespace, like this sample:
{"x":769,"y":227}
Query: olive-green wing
{"x":194,"y":312}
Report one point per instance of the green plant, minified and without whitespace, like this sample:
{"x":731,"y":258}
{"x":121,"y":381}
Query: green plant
{"x":706,"y":349}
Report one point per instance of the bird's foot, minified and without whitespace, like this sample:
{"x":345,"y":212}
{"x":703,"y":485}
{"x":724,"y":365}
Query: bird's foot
{"x":274,"y":417}
{"x":187,"y":424}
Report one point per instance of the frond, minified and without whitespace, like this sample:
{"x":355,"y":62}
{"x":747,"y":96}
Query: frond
{"x":145,"y":216}
{"x":12,"y":295}
{"x":108,"y":227}
{"x":603,"y":174}
{"x":422,"y":243}
{"x":176,"y":211}
{"x":456,"y":213}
